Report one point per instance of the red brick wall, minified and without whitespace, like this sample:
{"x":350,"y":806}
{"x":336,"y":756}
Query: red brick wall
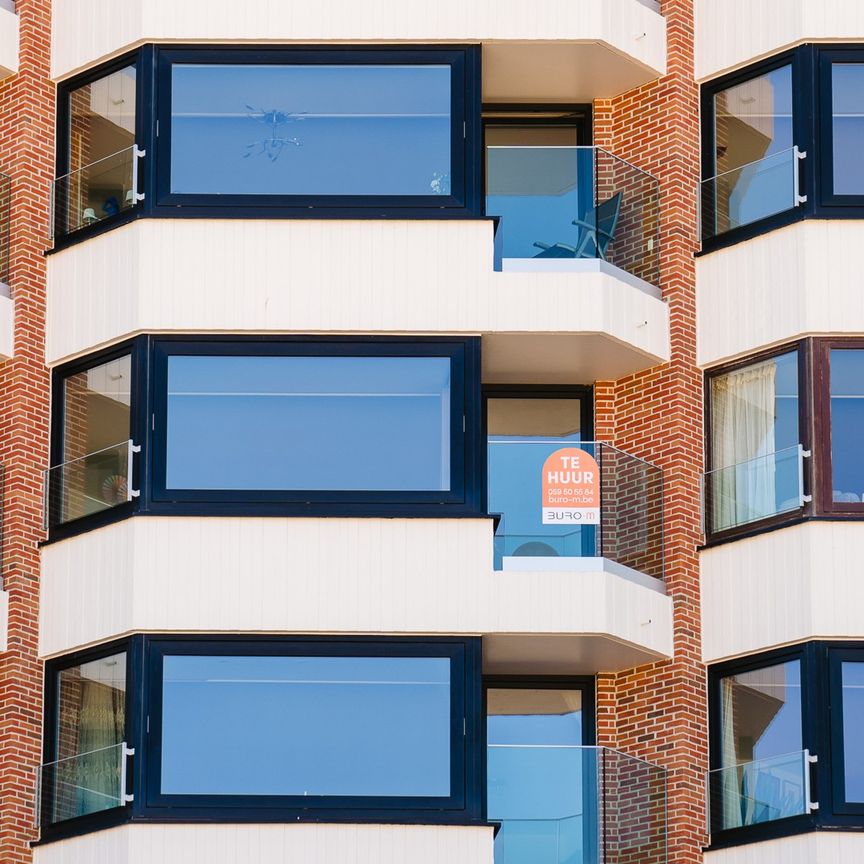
{"x":658,"y":712}
{"x":26,"y":154}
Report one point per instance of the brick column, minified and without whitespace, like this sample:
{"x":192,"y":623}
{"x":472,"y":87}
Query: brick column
{"x":26,"y":154}
{"x":659,"y":712}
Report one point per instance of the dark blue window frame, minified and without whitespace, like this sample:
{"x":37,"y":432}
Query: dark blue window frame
{"x":466,"y":739}
{"x":812,"y":133}
{"x":822,"y":735}
{"x":466,"y":463}
{"x":465,"y":498}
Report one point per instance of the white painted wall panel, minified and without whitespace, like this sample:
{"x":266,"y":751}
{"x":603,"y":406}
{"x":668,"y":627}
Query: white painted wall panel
{"x":268,"y":844}
{"x":8,"y":43}
{"x":7,"y":327}
{"x":88,"y":31}
{"x":824,"y":847}
{"x":325,"y":575}
{"x":734,"y":33}
{"x":396,"y":276}
{"x":796,"y":583}
{"x":798,"y":280}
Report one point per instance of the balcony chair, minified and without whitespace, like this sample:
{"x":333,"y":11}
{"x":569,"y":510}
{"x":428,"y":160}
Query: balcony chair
{"x":596,"y":231}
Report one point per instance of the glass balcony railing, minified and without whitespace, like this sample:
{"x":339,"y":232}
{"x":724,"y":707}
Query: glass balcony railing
{"x":570,"y":203}
{"x":750,"y":192}
{"x":89,"y":484}
{"x":557,"y":498}
{"x":575,"y":805}
{"x":97,"y":191}
{"x":82,"y":784}
{"x":757,"y":489}
{"x":760,"y":791}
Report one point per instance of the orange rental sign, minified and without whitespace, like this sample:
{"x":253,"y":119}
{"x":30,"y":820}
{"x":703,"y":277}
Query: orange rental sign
{"x":571,"y":488}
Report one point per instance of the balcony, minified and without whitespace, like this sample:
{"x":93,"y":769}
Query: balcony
{"x":561,"y":804}
{"x":568,"y":505}
{"x":566,"y":209}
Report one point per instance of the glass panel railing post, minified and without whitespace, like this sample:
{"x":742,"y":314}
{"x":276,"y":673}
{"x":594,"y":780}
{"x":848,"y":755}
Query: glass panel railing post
{"x":800,"y":156}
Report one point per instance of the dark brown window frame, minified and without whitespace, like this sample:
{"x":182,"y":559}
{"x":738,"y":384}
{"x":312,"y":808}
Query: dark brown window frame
{"x":824,"y":485}
{"x":805,"y":436}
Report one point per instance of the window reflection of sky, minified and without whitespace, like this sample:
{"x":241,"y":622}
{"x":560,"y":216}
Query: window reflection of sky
{"x":347,"y":130}
{"x":853,"y":721}
{"x":847,"y":85}
{"x":340,"y":423}
{"x":306,"y":726}
{"x":847,"y":422}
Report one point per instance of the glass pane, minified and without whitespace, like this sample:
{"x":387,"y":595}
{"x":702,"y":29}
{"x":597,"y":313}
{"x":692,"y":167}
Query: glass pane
{"x":310,"y":130}
{"x":754,"y":427}
{"x":340,"y":423}
{"x":753,"y":141}
{"x":760,"y":719}
{"x":90,"y":723}
{"x":559,"y":418}
{"x":760,"y":791}
{"x":761,"y":713}
{"x":101,"y":133}
{"x":847,"y":91}
{"x":306,"y":726}
{"x":528,"y":716}
{"x":93,"y":473}
{"x":847,"y":421}
{"x":853,"y":722}
{"x":531,"y":135}
{"x":535,"y":767}
{"x":96,"y":408}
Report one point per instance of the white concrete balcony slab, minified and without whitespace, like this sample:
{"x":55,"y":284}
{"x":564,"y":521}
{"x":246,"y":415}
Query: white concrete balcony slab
{"x":555,"y":49}
{"x":735,"y":33}
{"x":804,"y":279}
{"x":242,"y":844}
{"x":353,"y":276}
{"x":782,"y":587}
{"x":8,"y":39}
{"x":375,"y":576}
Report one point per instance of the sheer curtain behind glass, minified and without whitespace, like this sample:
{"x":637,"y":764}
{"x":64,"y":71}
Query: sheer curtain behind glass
{"x":760,"y":739}
{"x":91,"y":718}
{"x":742,"y":429}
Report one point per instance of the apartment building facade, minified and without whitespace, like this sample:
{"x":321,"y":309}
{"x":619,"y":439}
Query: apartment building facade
{"x":431,"y":433}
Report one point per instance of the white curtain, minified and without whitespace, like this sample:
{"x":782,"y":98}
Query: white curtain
{"x":742,"y":431}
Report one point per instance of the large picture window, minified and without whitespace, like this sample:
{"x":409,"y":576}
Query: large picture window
{"x":318,"y":130}
{"x":334,"y":724}
{"x":364,"y":423}
{"x":185,"y":728}
{"x":281,"y":426}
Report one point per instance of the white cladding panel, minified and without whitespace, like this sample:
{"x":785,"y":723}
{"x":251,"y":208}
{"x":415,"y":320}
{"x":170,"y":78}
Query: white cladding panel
{"x":799,"y":280}
{"x":823,"y":847}
{"x":8,"y":42}
{"x":7,"y":327}
{"x":86,"y":32}
{"x":268,"y":844}
{"x":784,"y":586}
{"x":734,"y":33}
{"x":393,"y":276}
{"x":298,"y":575}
